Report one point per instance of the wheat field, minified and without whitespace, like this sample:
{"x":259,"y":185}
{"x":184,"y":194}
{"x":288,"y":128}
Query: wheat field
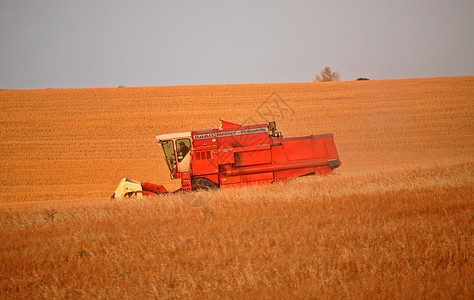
{"x":394,"y":221}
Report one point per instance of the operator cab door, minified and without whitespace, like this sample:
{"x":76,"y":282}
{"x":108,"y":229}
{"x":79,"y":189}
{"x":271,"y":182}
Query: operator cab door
{"x":183,"y":154}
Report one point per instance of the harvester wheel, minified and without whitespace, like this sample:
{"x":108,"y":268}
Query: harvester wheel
{"x":203,"y":184}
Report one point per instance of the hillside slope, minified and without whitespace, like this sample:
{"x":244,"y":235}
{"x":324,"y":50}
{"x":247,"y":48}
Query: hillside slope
{"x":76,"y":144}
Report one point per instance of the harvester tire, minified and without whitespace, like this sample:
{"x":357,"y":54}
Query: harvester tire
{"x":203,"y":184}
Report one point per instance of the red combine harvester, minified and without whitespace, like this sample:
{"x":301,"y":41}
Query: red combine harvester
{"x":237,"y":155}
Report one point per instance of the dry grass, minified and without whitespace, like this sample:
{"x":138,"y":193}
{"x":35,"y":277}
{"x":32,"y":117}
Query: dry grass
{"x":398,"y":234}
{"x":395,"y":221}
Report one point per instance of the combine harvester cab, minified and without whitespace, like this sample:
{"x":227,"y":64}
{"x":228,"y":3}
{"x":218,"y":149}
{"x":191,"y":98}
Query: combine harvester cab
{"x":237,"y":155}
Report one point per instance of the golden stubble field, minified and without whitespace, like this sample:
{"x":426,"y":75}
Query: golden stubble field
{"x":394,"y":221}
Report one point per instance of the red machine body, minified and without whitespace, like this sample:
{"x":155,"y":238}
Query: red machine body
{"x":236,"y":155}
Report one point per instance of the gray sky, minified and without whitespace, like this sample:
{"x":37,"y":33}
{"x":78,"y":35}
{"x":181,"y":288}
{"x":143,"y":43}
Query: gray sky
{"x":79,"y":44}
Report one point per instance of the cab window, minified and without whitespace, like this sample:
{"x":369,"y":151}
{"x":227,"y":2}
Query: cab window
{"x":183,"y":147}
{"x":168,"y":149}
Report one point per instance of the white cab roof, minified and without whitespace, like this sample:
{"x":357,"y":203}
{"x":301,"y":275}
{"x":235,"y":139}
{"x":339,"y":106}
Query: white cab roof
{"x":172,"y":136}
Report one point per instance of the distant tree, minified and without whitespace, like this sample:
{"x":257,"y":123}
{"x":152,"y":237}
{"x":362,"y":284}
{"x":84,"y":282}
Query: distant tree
{"x":362,"y":78}
{"x":327,"y":75}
